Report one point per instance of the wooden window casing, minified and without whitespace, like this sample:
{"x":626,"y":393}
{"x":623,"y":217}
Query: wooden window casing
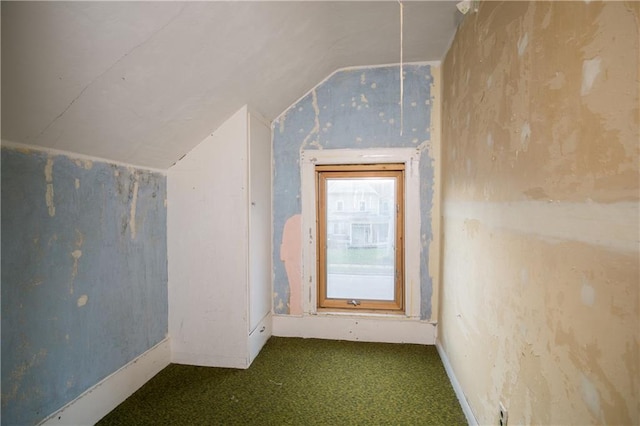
{"x":325,"y":172}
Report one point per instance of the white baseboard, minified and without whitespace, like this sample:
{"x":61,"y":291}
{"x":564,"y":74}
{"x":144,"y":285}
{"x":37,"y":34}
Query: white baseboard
{"x":210,"y":360}
{"x":100,"y":399}
{"x":466,"y":408}
{"x":355,"y":328}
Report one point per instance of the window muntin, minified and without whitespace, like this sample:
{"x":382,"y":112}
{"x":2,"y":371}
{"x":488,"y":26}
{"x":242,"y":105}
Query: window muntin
{"x":360,"y":250}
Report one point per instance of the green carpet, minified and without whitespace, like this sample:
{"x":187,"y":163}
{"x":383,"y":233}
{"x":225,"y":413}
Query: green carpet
{"x":302,"y":382}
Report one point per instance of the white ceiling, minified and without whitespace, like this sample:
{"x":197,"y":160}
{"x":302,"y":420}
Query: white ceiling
{"x":144,"y":82}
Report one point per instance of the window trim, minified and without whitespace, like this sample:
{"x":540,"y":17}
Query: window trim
{"x":410,"y":157}
{"x":341,"y":171}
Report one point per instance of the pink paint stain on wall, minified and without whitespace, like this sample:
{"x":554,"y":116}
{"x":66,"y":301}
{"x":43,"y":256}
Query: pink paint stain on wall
{"x":291,"y":255}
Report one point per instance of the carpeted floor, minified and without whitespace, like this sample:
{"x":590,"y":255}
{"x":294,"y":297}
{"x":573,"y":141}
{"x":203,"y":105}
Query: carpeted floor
{"x":302,"y":382}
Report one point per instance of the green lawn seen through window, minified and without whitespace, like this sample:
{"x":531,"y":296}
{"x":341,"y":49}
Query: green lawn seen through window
{"x":358,"y":256}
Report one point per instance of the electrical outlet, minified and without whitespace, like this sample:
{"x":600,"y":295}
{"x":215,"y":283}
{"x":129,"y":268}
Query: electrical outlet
{"x":503,"y":415}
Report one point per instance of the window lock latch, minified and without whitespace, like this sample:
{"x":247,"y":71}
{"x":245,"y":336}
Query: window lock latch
{"x":354,"y":302}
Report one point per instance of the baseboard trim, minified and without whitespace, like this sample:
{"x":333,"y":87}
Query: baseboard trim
{"x":355,"y":328}
{"x":210,"y":360}
{"x":100,"y":399}
{"x":466,"y":408}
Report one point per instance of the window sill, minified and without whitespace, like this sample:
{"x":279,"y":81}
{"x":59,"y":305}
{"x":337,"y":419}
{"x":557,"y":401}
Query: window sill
{"x":377,"y":314}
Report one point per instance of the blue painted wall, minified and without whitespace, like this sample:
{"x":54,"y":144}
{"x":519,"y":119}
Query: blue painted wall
{"x":359,"y":109}
{"x":84,"y":276}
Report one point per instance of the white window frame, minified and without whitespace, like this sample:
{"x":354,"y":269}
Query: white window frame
{"x":410,"y":157}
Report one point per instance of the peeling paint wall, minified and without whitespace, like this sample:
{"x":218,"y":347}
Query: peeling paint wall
{"x":540,"y":295}
{"x":358,"y":109}
{"x":84,"y":276}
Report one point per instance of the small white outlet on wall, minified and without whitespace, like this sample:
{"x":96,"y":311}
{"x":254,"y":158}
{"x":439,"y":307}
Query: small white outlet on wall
{"x":464,"y":6}
{"x":503,"y":415}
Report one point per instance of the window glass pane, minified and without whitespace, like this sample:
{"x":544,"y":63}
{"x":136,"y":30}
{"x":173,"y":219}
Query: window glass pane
{"x":360,"y":238}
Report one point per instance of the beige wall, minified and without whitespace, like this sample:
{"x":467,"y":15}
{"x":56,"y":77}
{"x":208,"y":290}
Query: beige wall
{"x":540,"y":212}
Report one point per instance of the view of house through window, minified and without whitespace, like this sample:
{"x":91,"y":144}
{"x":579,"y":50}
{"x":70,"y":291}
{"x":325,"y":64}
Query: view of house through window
{"x":360,"y":236}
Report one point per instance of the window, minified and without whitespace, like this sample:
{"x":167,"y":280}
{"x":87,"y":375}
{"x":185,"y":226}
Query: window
{"x":361,"y":268}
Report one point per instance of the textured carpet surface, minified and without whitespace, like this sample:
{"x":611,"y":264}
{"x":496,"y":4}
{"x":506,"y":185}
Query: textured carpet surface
{"x":302,"y":382}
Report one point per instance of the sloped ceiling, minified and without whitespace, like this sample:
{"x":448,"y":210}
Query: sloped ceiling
{"x":144,"y":82}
